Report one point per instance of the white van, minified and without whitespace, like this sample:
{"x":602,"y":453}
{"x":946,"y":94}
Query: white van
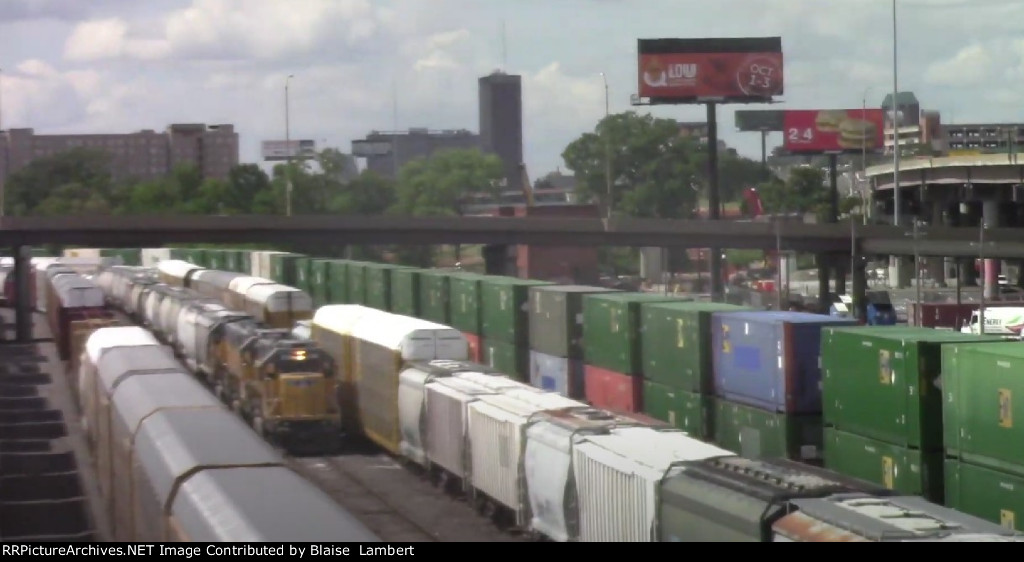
{"x":998,"y":321}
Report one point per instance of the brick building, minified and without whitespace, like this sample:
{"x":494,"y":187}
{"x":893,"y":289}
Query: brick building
{"x":143,"y":155}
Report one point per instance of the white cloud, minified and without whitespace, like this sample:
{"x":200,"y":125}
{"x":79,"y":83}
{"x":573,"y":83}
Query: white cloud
{"x":971,"y":64}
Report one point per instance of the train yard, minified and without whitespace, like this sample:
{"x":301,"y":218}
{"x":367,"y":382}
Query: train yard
{"x":443,"y":439}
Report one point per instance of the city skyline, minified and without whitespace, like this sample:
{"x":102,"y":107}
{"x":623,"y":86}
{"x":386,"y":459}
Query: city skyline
{"x":118,"y":66}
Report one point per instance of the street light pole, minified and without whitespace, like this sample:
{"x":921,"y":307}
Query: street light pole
{"x":895,"y":142}
{"x":917,"y":277}
{"x":607,"y":150}
{"x":778,"y":263}
{"x":288,"y":149}
{"x":981,"y":260}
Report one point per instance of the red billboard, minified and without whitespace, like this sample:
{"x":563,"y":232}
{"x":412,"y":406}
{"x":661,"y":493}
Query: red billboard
{"x":692,"y":70}
{"x":833,"y":130}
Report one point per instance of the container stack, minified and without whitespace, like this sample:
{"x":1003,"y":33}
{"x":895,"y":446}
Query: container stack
{"x":556,"y":337}
{"x":677,"y":369}
{"x":464,"y":311}
{"x":505,"y":324}
{"x":984,"y":467}
{"x":613,"y":366}
{"x":897,"y":441}
{"x":767,"y":382}
{"x":405,"y":291}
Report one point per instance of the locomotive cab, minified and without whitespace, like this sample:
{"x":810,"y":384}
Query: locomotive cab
{"x":292,"y":395}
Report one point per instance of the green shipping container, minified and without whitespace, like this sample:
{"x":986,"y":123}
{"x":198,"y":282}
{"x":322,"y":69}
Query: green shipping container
{"x":906,"y":470}
{"x":896,"y":370}
{"x":319,"y":271}
{"x":337,"y":281}
{"x":378,"y":285}
{"x":507,"y":358}
{"x":216,"y":259}
{"x":283,"y":268}
{"x":676,"y":342}
{"x":196,"y":257}
{"x":611,"y":322}
{"x":129,"y":256}
{"x":982,"y":492}
{"x":357,"y":282}
{"x":231,"y":258}
{"x":303,"y":275}
{"x":980,"y":382}
{"x":434,"y":296}
{"x":690,"y":412}
{"x":405,"y":291}
{"x":755,"y":433}
{"x":505,"y":309}
{"x":245,"y":262}
{"x":179,"y":254}
{"x":464,"y":301}
{"x":556,"y":318}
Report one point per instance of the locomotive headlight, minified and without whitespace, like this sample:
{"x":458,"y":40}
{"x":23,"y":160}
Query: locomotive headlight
{"x":299,"y":355}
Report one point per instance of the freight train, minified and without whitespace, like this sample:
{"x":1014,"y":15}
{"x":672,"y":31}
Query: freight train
{"x":665,"y":348}
{"x":173,"y":464}
{"x":547,"y":464}
{"x":285,"y":387}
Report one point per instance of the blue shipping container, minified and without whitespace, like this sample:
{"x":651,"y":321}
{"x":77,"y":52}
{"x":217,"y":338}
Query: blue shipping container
{"x":557,"y":374}
{"x":770,"y":359}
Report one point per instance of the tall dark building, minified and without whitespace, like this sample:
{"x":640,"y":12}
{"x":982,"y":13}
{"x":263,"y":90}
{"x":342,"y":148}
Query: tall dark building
{"x":501,"y":121}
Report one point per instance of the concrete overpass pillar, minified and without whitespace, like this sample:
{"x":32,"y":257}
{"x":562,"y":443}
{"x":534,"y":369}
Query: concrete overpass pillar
{"x":937,"y":265}
{"x":859,"y":288}
{"x":990,"y":214}
{"x":23,"y":289}
{"x":968,"y":275}
{"x":824,"y":260}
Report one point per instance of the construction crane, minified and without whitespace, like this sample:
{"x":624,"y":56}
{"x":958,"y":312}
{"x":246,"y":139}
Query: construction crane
{"x":526,"y":187}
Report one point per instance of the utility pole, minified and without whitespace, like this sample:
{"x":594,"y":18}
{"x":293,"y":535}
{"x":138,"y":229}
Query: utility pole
{"x":288,"y":149}
{"x":607,"y":150}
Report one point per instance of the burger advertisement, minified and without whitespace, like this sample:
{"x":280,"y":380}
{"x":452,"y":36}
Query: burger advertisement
{"x":833,"y":130}
{"x":688,"y":69}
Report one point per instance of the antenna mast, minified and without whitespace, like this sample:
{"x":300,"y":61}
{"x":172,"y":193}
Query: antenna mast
{"x":504,"y":47}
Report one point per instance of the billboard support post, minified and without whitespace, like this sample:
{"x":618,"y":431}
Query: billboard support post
{"x":764,"y":154}
{"x":710,"y":71}
{"x":714,"y":206}
{"x":833,"y":187}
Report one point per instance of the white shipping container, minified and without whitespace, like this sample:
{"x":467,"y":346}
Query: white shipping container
{"x":556,"y":374}
{"x":42,"y":282}
{"x":411,"y":413}
{"x":152,"y":256}
{"x":446,"y":429}
{"x":547,"y":467}
{"x":617,"y":478}
{"x":497,"y":430}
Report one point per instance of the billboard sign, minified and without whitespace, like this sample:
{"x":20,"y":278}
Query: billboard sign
{"x":283,"y":150}
{"x":365,"y":148}
{"x":759,"y":119}
{"x":700,"y":70}
{"x":833,"y":130}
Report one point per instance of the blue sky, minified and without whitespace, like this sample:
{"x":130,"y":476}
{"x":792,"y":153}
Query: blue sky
{"x":125,"y":65}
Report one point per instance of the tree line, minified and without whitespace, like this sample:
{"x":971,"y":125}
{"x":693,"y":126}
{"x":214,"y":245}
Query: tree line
{"x":655,"y":172}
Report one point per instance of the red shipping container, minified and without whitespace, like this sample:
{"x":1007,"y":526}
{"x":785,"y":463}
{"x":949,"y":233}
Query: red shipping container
{"x":475,"y":345}
{"x":947,"y":314}
{"x":611,"y":390}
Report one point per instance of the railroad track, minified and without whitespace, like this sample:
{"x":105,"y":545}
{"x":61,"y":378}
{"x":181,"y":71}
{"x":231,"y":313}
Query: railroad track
{"x":395,"y":502}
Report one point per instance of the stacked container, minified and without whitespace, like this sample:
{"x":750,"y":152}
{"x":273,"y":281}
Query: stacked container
{"x":434,"y":296}
{"x":320,"y":271}
{"x":337,"y":282}
{"x":464,"y":313}
{"x":984,"y":467}
{"x":556,"y":337}
{"x":612,"y":354}
{"x":405,"y":291}
{"x":882,"y":404}
{"x":303,"y":274}
{"x":677,"y":372}
{"x":282,"y":267}
{"x":505,"y":324}
{"x":767,"y":382}
{"x":378,"y":284}
{"x":356,"y":280}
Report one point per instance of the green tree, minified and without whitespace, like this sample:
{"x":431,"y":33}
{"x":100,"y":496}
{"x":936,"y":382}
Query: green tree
{"x":655,"y":172}
{"x":804,"y":192}
{"x":87,"y":171}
